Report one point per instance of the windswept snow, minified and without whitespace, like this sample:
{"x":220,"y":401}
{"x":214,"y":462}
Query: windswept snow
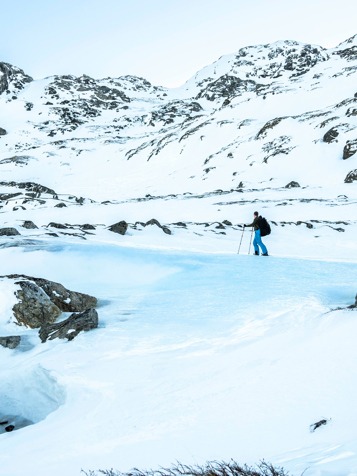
{"x":198,"y":357}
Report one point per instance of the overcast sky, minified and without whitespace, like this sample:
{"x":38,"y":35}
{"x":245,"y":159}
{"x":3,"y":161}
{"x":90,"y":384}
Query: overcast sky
{"x":164,"y":41}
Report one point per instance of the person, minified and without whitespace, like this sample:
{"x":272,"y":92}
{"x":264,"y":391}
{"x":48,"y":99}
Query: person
{"x":257,"y":242}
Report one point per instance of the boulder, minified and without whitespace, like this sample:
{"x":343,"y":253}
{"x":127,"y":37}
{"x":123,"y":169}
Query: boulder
{"x":88,"y":227}
{"x":350,"y":177}
{"x":2,"y":131}
{"x":71,"y":327}
{"x":292,"y":184}
{"x":349,"y":149}
{"x":153,"y":221}
{"x":57,"y":225}
{"x":119,"y":227}
{"x":331,"y":135}
{"x":34,"y":307}
{"x":41,"y":301}
{"x":29,"y":225}
{"x":11,"y":342}
{"x":9,"y":232}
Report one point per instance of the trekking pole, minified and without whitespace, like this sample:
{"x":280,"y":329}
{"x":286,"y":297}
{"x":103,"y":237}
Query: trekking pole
{"x":241,"y":240}
{"x":251,"y":236}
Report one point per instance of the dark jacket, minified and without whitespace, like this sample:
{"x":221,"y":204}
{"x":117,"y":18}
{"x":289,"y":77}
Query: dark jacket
{"x":255,"y":224}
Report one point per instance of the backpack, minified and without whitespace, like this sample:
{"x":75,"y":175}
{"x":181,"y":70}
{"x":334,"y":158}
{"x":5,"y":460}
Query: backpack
{"x":264,"y":227}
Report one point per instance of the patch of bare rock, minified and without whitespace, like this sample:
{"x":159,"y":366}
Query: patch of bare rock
{"x":40,"y":302}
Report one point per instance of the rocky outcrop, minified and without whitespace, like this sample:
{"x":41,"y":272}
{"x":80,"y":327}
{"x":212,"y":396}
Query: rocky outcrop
{"x":292,"y":185}
{"x":31,"y":187}
{"x":71,"y":327}
{"x":41,"y":301}
{"x":331,"y":135}
{"x":9,"y":232}
{"x":12,"y":79}
{"x":119,"y":227}
{"x":351,"y":176}
{"x":2,"y":132}
{"x":34,"y":307}
{"x":349,"y":149}
{"x":16,"y":159}
{"x":153,"y":221}
{"x":11,"y":342}
{"x":29,"y":225}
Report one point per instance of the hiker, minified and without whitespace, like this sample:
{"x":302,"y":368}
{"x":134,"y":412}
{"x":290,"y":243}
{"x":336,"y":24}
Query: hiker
{"x":257,"y":242}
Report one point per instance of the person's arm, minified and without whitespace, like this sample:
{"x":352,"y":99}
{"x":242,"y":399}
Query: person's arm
{"x":255,"y":221}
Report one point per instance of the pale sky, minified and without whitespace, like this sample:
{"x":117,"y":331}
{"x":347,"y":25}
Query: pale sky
{"x":164,"y":41}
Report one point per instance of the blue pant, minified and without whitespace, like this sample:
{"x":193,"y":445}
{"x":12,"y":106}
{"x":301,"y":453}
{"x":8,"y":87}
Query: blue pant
{"x":258,"y":242}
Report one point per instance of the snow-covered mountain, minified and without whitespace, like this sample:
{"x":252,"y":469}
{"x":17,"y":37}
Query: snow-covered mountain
{"x":112,"y":187}
{"x":253,"y":121}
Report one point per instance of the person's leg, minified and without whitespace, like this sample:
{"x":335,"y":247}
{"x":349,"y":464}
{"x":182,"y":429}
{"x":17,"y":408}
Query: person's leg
{"x":255,"y":244}
{"x":259,"y":242}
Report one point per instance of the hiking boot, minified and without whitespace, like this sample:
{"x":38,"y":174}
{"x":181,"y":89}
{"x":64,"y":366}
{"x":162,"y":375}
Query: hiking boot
{"x":265,"y":254}
{"x":257,"y":253}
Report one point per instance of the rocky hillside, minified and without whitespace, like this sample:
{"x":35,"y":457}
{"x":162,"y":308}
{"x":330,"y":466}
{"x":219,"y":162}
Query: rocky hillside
{"x":269,"y":117}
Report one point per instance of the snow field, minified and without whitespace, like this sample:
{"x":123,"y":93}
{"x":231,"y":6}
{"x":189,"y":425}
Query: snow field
{"x":197,"y":357}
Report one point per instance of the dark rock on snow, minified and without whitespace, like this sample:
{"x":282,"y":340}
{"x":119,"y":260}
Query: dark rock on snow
{"x":350,"y":177}
{"x":41,"y":301}
{"x":29,"y":225}
{"x":292,"y":184}
{"x":88,"y":227}
{"x":349,"y":149}
{"x":153,"y":221}
{"x":9,"y":232}
{"x":331,"y":135}
{"x":57,"y":225}
{"x":71,"y":327}
{"x":11,"y":342}
{"x":34,"y":307}
{"x":2,"y":131}
{"x":119,"y":227}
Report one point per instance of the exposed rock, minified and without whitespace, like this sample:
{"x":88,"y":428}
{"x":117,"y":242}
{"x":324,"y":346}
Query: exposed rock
{"x":9,"y":232}
{"x":349,"y":149}
{"x":11,"y":342}
{"x":41,"y":301}
{"x":12,"y":78}
{"x":31,"y":187}
{"x":350,"y":177}
{"x":331,"y":135}
{"x":226,"y":86}
{"x":269,"y":125}
{"x":29,"y":225}
{"x":57,"y":225}
{"x":60,"y":205}
{"x":9,"y":428}
{"x":119,"y":227}
{"x":16,"y":159}
{"x":153,"y":221}
{"x":292,"y":184}
{"x":2,"y":132}
{"x":71,"y":327}
{"x":88,"y":227}
{"x":34,"y":307}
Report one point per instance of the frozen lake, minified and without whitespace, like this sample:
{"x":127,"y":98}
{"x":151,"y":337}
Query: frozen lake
{"x":197,"y":357}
